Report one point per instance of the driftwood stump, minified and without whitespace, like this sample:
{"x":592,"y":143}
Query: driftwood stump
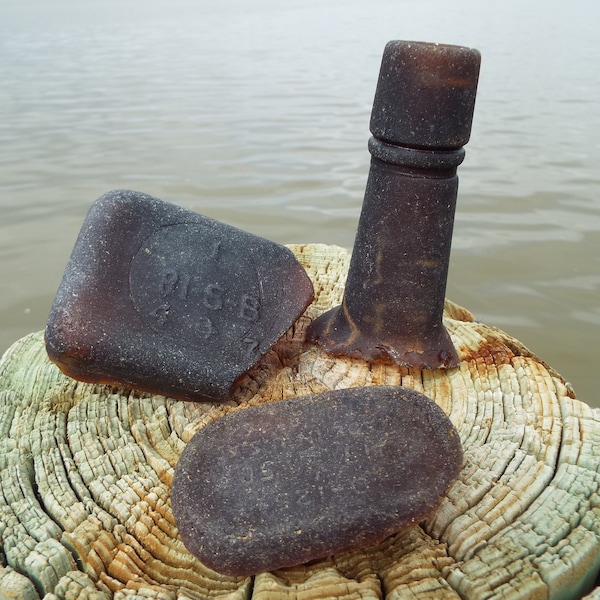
{"x":86,"y":472}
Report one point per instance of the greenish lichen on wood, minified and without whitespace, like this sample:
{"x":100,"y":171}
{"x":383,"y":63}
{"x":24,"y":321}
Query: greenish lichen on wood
{"x":85,"y":473}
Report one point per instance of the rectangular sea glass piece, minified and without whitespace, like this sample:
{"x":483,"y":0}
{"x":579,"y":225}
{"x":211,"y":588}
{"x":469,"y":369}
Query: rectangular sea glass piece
{"x":159,"y":298}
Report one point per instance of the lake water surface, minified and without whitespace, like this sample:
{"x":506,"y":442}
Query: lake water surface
{"x":256,"y":113}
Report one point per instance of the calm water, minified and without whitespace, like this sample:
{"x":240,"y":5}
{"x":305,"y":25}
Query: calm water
{"x":256,"y":113}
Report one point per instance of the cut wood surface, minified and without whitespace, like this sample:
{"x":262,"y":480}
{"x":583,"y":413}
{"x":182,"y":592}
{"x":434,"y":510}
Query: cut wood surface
{"x":86,"y":473}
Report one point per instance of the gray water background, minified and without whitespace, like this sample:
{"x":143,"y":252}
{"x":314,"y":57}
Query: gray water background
{"x":256,"y":113}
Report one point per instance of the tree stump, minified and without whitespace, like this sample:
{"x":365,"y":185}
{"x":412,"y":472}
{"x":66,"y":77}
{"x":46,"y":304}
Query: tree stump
{"x":86,"y":472}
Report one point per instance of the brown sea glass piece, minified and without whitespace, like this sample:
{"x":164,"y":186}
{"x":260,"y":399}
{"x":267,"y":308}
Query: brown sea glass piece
{"x":394,"y":296}
{"x":283,"y":483}
{"x":159,"y":298}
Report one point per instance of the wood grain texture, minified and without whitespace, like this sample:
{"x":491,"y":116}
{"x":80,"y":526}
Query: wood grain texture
{"x":86,"y":473}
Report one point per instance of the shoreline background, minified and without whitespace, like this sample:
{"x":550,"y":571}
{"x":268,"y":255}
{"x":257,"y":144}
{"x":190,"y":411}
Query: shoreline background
{"x":257,"y":115}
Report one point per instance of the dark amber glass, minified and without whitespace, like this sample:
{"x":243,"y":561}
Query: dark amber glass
{"x":283,"y":483}
{"x":159,"y":298}
{"x":394,"y":296}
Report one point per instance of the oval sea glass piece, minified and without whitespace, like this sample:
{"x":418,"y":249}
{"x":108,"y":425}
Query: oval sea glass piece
{"x":280,"y":484}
